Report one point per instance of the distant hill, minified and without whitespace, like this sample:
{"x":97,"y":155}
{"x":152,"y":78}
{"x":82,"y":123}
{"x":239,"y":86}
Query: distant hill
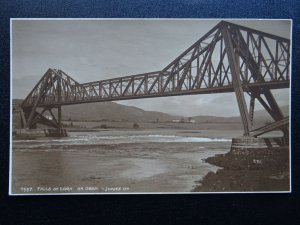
{"x":109,"y":111}
{"x":260,"y":117}
{"x":263,"y":115}
{"x":17,"y":101}
{"x":112,"y":111}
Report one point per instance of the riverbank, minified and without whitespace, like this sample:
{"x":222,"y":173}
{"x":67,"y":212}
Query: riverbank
{"x":248,"y":171}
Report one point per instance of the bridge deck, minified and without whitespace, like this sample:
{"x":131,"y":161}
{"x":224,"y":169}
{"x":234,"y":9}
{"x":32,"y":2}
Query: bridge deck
{"x":91,"y":92}
{"x":228,"y":58}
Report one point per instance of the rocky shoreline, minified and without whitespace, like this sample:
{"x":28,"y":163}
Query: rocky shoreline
{"x":255,"y":170}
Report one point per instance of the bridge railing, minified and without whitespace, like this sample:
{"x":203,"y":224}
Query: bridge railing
{"x":263,"y":60}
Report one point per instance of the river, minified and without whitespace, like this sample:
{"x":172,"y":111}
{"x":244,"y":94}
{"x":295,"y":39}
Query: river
{"x":115,"y":161}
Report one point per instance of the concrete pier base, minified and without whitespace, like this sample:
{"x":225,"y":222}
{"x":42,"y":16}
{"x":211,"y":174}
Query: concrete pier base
{"x":56,"y":133}
{"x":251,"y":143}
{"x":34,"y":133}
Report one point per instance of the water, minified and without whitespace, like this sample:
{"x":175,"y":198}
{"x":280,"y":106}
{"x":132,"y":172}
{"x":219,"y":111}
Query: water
{"x":111,"y":138}
{"x":115,"y":160}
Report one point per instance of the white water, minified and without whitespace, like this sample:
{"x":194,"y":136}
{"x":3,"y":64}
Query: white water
{"x":153,"y":161}
{"x":94,"y":138}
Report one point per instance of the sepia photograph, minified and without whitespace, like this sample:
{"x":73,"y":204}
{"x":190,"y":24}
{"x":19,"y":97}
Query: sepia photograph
{"x":150,"y":106}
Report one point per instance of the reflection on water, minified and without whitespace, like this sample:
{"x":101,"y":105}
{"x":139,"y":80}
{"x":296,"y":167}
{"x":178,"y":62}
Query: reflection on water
{"x":144,"y":168}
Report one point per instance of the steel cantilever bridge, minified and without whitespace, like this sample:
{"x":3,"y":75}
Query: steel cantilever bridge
{"x":228,"y":58}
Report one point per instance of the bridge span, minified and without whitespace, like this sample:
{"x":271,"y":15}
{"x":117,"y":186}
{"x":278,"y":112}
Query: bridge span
{"x":228,"y":58}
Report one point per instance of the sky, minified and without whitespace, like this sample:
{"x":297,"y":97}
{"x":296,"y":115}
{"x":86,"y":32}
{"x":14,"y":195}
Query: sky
{"x":91,"y":50}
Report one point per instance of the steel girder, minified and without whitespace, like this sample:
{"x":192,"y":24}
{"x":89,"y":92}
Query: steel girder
{"x":228,"y":58}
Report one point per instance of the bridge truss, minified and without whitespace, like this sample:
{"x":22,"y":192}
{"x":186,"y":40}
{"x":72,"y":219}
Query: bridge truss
{"x":228,"y":58}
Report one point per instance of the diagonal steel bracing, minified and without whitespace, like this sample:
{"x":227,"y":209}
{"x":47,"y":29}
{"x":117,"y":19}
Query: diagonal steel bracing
{"x":228,"y":58}
{"x":234,"y":65}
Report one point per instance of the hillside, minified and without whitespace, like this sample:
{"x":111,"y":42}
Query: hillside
{"x":112,"y":111}
{"x":260,"y":117}
{"x":263,"y":115}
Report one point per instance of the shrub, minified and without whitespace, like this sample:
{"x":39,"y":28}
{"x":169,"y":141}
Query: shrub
{"x":135,"y":126}
{"x":103,"y":126}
